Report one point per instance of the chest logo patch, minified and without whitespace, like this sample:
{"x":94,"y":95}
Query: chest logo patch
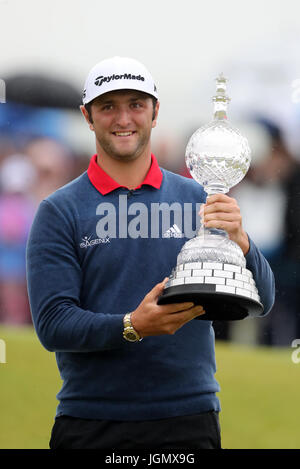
{"x":88,"y":242}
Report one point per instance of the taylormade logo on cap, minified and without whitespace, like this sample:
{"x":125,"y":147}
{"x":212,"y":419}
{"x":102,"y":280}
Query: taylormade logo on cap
{"x":115,"y":74}
{"x":126,"y":76}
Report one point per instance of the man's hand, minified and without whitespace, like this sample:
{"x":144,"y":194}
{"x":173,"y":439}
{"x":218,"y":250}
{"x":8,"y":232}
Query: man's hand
{"x":152,"y":319}
{"x":223,"y":212}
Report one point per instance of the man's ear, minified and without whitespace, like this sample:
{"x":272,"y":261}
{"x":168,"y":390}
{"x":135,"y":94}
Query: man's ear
{"x":154,"y":121}
{"x":86,"y":116}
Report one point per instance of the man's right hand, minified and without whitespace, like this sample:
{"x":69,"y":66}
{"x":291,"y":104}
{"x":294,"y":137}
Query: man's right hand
{"x":149,"y":318}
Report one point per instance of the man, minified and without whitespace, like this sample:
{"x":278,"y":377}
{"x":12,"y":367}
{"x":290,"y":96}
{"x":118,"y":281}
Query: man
{"x":135,"y":374}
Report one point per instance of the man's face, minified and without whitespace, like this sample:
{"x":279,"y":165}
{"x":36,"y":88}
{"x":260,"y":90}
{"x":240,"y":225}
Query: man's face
{"x":122,"y":122}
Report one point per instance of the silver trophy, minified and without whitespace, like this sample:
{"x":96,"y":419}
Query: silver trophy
{"x":211,"y":269}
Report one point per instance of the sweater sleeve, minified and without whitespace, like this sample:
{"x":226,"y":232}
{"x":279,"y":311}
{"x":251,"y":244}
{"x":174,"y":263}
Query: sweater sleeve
{"x":263,"y":276}
{"x":54,"y":278}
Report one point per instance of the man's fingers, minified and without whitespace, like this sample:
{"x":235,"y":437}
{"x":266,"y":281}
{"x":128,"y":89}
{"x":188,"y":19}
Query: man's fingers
{"x":219,"y":208}
{"x":183,"y":317}
{"x":193,"y":312}
{"x":172,"y":308}
{"x":199,"y":310}
{"x":229,"y":216}
{"x":157,"y":289}
{"x":177,"y":307}
{"x":222,"y":198}
{"x":165,"y":281}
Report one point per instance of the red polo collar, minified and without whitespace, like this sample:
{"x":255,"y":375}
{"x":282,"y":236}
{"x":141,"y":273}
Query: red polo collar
{"x":105,"y":184}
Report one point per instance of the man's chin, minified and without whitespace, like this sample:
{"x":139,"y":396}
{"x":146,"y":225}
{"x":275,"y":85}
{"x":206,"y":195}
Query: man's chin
{"x":126,"y":155}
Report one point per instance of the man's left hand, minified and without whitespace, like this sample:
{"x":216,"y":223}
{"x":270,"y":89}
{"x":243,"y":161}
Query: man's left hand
{"x":223,"y":212}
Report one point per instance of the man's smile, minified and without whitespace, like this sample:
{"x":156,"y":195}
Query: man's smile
{"x":124,"y":133}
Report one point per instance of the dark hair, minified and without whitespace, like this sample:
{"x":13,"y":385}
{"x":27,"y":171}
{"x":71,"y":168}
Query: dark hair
{"x":88,"y":108}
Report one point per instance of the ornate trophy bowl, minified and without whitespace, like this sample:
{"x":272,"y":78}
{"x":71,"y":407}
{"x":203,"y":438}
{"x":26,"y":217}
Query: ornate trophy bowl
{"x":211,"y":269}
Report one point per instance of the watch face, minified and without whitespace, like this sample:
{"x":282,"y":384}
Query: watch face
{"x":131,"y":336}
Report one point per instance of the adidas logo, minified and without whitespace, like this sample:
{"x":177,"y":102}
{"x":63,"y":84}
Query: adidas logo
{"x":173,"y":232}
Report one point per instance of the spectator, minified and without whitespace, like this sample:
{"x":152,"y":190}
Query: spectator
{"x":52,"y":161}
{"x":16,"y":214}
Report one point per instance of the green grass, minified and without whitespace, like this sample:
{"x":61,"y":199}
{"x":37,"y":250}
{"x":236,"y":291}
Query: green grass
{"x":29,"y":382}
{"x":259,"y":397}
{"x":259,"y":394}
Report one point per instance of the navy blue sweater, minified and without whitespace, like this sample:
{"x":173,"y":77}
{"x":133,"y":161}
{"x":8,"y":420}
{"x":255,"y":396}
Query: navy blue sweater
{"x":91,"y":258}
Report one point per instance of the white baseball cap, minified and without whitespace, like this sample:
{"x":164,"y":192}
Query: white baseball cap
{"x":118,"y":73}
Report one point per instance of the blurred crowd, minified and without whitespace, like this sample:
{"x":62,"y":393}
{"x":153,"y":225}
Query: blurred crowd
{"x":36,"y":158}
{"x":27,"y":175}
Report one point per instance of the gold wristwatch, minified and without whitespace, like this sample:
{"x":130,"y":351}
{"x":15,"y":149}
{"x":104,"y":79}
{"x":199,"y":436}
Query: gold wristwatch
{"x":129,"y":332}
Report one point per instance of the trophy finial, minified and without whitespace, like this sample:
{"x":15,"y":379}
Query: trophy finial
{"x":220,"y":99}
{"x":221,"y":96}
{"x":221,"y":78}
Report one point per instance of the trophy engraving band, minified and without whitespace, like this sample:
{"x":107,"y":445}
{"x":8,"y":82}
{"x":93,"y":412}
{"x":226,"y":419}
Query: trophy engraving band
{"x":226,"y":278}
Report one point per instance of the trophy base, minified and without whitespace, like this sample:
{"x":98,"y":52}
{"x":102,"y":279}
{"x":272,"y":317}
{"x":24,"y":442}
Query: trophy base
{"x":218,"y":306}
{"x":226,"y":292}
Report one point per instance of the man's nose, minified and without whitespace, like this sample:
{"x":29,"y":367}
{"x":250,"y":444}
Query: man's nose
{"x":123,"y":118}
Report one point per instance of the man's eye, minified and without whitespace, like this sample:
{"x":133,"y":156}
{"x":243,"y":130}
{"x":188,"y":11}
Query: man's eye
{"x":136,"y":105}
